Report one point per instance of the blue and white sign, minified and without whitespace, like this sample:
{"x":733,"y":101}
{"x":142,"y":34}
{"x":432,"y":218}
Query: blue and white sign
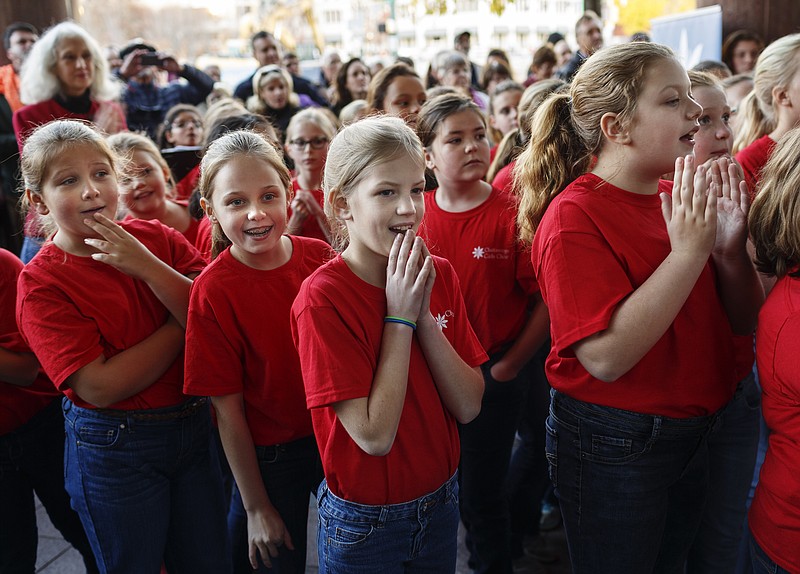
{"x":694,"y":36}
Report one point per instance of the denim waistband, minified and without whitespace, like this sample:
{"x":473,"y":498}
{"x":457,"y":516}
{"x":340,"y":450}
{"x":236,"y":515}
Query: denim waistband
{"x":299,"y":445}
{"x":347,"y":510}
{"x":619,"y":419}
{"x":183,"y":410}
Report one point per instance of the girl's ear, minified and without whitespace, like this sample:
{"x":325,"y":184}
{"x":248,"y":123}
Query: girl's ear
{"x":340,"y":207}
{"x":37,"y":202}
{"x":205,"y":205}
{"x":168,"y":136}
{"x":613,"y":129}
{"x":429,"y":163}
{"x":780,"y":95}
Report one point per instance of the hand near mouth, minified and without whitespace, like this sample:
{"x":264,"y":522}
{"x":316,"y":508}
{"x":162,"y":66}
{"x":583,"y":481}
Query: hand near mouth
{"x":408,"y":274}
{"x":118,"y":248}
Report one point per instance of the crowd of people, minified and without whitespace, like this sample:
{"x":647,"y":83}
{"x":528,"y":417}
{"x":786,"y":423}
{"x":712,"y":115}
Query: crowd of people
{"x":424,"y":300}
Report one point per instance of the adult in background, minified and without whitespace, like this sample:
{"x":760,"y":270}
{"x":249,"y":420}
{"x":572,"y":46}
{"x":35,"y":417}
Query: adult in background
{"x":267,"y":50}
{"x":740,"y":51}
{"x":18,"y":39}
{"x":146,"y":100}
{"x":65,"y":76}
{"x":352,"y":83}
{"x":589,"y":34}
{"x":462,"y":43}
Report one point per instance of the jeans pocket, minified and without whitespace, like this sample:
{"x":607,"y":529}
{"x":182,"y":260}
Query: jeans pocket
{"x":96,"y":434}
{"x":551,"y":449}
{"x":347,"y":534}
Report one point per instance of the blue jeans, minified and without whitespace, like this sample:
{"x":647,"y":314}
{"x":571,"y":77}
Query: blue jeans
{"x":732,"y":447}
{"x":147,"y":487}
{"x":631,"y":486}
{"x":32,"y":460}
{"x":486,"y":445}
{"x":30,"y":247}
{"x":416,"y":536}
{"x":291,"y":473}
{"x":762,"y":563}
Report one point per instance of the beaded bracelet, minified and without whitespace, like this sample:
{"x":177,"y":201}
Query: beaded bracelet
{"x":392,"y":319}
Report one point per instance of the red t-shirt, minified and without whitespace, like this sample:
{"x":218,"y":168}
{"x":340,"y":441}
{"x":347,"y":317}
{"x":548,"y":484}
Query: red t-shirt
{"x":311,"y":226}
{"x":493,"y":267}
{"x":337,"y":325}
{"x":753,"y":158}
{"x":73,"y":309}
{"x":17,"y":404}
{"x":240,"y":340}
{"x":187,"y":185}
{"x":504,"y":180}
{"x":203,"y":240}
{"x":597,"y":244}
{"x":775,"y":513}
{"x":190,"y":233}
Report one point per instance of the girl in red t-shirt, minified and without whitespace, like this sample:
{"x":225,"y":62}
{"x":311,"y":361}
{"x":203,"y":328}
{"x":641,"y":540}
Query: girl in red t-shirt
{"x":774,"y":517}
{"x":389,"y":363}
{"x":103,"y":306}
{"x":146,"y":186}
{"x":646,"y":283}
{"x":473,"y":226}
{"x":307,"y":138}
{"x":241,"y":352}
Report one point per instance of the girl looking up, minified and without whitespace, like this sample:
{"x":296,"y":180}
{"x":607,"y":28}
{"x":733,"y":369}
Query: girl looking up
{"x":103,"y":306}
{"x":254,"y":381}
{"x":381,"y":331}
{"x":473,"y":226}
{"x":146,"y":185}
{"x":646,"y":283}
{"x":307,"y":139}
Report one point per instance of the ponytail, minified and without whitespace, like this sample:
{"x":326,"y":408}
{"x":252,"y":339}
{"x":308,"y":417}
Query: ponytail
{"x":555,"y":156}
{"x":753,"y":123}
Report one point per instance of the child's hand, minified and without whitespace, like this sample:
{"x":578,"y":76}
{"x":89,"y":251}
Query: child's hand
{"x":691,"y":212}
{"x":732,"y":208}
{"x":407,"y":277}
{"x":119,"y":248}
{"x":266,"y":532}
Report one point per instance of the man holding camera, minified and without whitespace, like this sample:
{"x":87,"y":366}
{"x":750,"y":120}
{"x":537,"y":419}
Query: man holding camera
{"x":144,"y":99}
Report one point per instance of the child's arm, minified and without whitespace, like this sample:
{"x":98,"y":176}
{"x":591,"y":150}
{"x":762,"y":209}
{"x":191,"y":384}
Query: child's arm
{"x":265,"y":528}
{"x":124,"y":252}
{"x":304,"y":205}
{"x":739,"y":286}
{"x":642,"y":318}
{"x":18,"y":369}
{"x":532,"y":336}
{"x":104,"y":382}
{"x":372,"y":421}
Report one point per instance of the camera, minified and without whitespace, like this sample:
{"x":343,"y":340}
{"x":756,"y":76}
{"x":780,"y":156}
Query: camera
{"x":150,"y":59}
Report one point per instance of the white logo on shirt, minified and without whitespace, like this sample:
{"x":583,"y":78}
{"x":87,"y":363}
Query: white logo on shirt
{"x":491,"y":253}
{"x":477,"y":253}
{"x":442,"y":318}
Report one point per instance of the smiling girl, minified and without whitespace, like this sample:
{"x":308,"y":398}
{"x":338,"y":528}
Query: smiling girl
{"x":273,"y":97}
{"x":389,"y":364}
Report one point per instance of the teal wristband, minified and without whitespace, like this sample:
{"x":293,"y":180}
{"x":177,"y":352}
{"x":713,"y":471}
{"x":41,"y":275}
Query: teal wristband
{"x":400,"y":320}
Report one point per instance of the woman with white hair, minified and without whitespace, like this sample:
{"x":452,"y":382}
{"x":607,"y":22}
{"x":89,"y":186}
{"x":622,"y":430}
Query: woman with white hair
{"x":64,"y":77}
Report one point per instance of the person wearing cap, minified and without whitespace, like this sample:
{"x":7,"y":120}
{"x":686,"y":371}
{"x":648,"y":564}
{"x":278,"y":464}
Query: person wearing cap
{"x":589,"y":34}
{"x":267,"y":50}
{"x":462,"y":43}
{"x":145,"y":100}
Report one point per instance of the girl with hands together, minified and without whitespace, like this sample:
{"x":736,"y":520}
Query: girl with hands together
{"x":642,"y":330}
{"x":100,"y":306}
{"x":389,"y":363}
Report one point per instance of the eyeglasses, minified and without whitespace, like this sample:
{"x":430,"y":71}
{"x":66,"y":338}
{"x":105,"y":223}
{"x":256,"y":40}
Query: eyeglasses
{"x":316,"y":143}
{"x":186,"y":124}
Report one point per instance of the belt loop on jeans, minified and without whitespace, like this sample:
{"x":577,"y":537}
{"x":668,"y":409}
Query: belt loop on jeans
{"x":656,"y":427}
{"x":383,"y":516}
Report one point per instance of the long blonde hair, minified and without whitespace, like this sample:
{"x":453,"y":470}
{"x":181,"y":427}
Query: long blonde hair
{"x":565,"y":131}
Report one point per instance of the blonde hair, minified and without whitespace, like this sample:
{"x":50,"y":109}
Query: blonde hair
{"x":38,"y":79}
{"x":774,"y":218}
{"x":313,"y":116}
{"x":776,"y":66}
{"x":264,"y":74}
{"x":125,"y":144}
{"x":222,"y":150}
{"x":566,"y":133}
{"x":41,"y":149}
{"x":356,"y":149}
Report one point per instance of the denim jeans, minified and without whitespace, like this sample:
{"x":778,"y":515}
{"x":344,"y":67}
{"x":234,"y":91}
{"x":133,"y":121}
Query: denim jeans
{"x":486,"y":445}
{"x":147,"y":487}
{"x":30,"y":247}
{"x":416,"y":536}
{"x":762,"y":563}
{"x":291,"y":473}
{"x":631,"y":486}
{"x":732,"y":447}
{"x":32,"y":460}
